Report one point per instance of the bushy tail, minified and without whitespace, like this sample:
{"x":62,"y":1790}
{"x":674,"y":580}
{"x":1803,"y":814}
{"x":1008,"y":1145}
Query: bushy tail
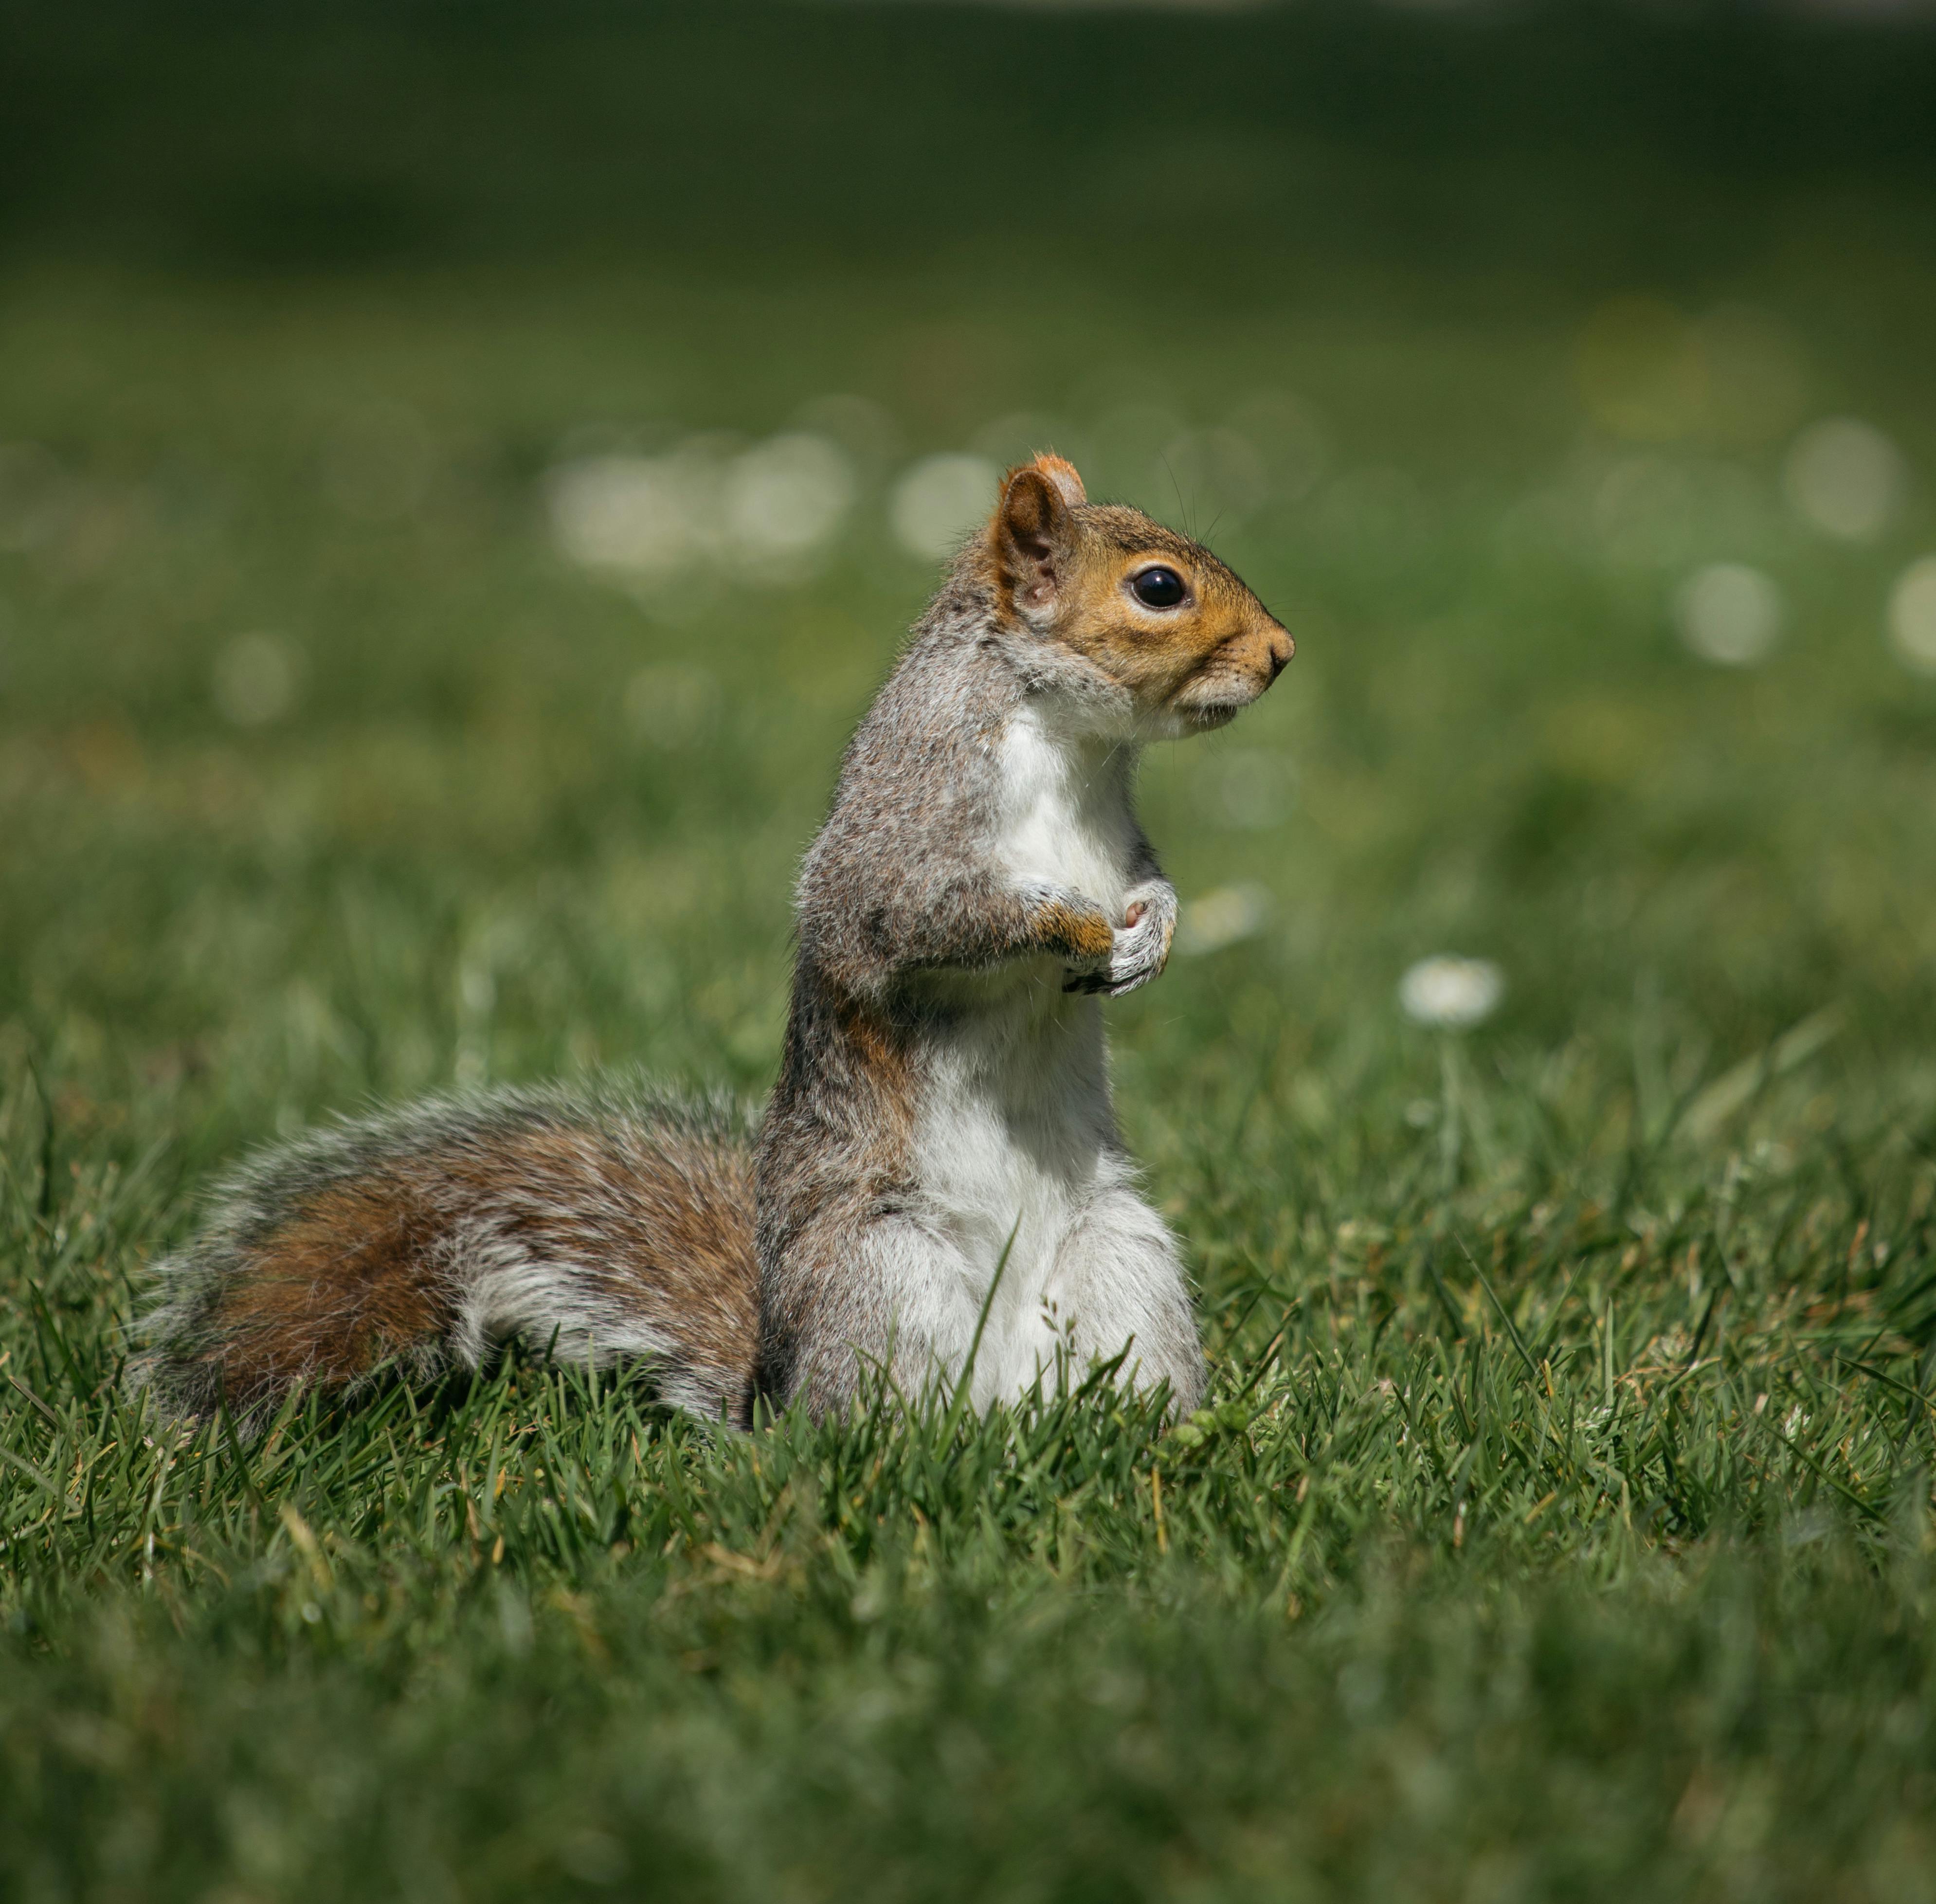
{"x":608,"y":1225}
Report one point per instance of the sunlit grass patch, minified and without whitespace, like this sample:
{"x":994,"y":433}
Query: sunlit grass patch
{"x":1530,"y":1515}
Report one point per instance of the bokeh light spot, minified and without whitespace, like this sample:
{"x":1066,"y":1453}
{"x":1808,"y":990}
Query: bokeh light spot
{"x":1847,"y":478}
{"x":1222,"y":918}
{"x":1449,"y":993}
{"x":940,"y":500}
{"x":621,"y":512}
{"x":1729,"y":614}
{"x":256,"y":679}
{"x":1912,"y":616}
{"x":761,"y":513}
{"x":786,"y":497}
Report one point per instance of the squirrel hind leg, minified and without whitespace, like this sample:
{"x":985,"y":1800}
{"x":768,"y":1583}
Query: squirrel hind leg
{"x":356,"y":1275}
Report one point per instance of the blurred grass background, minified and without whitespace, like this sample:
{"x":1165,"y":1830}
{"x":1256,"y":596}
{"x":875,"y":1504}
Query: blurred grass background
{"x":461,"y":474}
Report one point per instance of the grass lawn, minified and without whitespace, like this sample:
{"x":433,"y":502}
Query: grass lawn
{"x":1561,"y":1526}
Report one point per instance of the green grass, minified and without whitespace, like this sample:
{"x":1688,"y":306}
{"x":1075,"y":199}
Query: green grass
{"x":1563,"y":1524}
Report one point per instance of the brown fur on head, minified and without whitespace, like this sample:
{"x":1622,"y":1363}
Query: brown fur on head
{"x":1087,"y":575}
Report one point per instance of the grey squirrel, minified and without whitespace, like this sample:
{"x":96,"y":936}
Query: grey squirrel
{"x":940,"y":1153}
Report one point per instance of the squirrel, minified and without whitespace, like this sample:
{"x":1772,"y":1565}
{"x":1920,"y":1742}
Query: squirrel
{"x":938,"y":1175}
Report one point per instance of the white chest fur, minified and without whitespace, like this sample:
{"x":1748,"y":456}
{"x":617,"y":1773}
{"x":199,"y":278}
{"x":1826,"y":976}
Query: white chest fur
{"x":1065,"y":818}
{"x":1015,"y":1140}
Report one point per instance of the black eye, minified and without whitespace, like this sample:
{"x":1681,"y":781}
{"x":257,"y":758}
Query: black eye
{"x":1157,"y":588}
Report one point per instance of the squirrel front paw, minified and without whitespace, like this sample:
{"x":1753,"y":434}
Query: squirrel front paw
{"x":1140,"y":948}
{"x":1073,"y":928}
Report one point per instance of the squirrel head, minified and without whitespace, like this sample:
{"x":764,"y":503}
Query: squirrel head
{"x":1160,"y":617}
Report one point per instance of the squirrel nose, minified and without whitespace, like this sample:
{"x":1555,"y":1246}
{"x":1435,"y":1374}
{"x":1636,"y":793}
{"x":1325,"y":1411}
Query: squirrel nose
{"x":1278,"y":648}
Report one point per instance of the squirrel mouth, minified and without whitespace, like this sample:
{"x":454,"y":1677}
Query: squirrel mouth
{"x":1216,"y":697}
{"x":1203,"y":715}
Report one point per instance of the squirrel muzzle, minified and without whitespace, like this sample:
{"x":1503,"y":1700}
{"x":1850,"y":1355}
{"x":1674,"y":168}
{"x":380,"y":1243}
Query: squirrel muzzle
{"x":1236,"y":673}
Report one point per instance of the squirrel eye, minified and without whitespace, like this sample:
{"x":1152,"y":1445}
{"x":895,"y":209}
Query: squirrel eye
{"x":1157,"y":588}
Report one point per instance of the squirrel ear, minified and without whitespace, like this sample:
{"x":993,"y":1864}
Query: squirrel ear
{"x":1034,"y":527}
{"x":1063,"y":474}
